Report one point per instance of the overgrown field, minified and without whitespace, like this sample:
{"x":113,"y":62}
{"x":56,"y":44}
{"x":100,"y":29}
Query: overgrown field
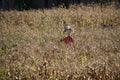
{"x":30,"y":46}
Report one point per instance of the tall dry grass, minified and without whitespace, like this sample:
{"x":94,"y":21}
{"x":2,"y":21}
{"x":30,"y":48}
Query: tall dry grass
{"x":30,"y":47}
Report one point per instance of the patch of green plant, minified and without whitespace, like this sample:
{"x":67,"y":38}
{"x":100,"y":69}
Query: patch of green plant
{"x":1,"y":50}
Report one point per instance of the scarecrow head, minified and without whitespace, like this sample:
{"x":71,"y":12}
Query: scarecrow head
{"x":67,"y":30}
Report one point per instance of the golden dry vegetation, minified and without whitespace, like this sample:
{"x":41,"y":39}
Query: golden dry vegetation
{"x":30,"y":47}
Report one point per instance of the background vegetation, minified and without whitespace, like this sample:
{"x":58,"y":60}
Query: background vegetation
{"x":30,"y":47}
{"x":40,"y":4}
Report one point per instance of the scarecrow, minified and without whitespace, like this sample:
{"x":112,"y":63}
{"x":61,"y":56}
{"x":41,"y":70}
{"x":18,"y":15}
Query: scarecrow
{"x":68,"y":39}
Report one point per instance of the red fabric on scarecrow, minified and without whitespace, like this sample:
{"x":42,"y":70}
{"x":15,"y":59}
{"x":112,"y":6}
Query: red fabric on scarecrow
{"x":68,"y":40}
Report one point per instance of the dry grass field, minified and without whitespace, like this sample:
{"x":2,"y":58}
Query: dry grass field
{"x":30,"y":46}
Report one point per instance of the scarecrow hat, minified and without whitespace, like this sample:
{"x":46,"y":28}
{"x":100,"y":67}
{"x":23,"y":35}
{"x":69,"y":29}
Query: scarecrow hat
{"x":67,"y":28}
